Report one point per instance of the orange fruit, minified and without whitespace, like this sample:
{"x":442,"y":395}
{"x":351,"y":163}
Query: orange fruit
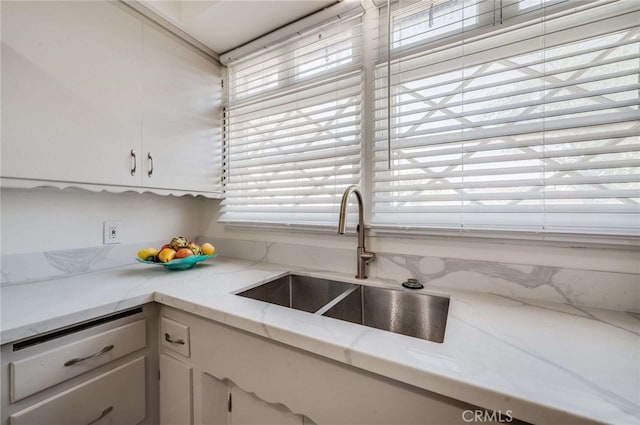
{"x":184,"y":252}
{"x":207,"y":249}
{"x":166,"y":255}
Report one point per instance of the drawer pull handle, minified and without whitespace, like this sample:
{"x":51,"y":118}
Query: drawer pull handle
{"x":81,"y":359}
{"x":105,"y":412}
{"x":167,"y":338}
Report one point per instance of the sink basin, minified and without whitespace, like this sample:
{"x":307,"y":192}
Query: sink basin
{"x":298,"y":292}
{"x":399,"y":311}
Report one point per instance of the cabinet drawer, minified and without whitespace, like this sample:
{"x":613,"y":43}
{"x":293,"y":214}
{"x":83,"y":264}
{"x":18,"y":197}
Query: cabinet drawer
{"x":115,"y":397}
{"x":36,"y":373}
{"x":175,"y":336}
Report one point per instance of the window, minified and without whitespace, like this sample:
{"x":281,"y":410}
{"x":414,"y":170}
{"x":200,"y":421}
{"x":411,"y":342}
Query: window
{"x":526,"y":121}
{"x":293,"y":128}
{"x":515,"y":115}
{"x":420,"y":22}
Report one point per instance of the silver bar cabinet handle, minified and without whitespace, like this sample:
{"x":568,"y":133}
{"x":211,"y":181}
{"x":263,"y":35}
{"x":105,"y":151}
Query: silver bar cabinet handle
{"x":105,"y":412}
{"x":133,"y":162}
{"x":151,"y":163}
{"x":167,"y":338}
{"x":81,"y":359}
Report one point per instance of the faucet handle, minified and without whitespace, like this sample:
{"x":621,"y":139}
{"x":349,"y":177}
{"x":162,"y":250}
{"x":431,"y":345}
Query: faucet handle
{"x":368,"y":256}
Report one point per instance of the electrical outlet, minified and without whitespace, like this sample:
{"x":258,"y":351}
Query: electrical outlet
{"x":111,"y":232}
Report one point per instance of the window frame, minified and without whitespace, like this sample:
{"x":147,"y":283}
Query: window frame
{"x":340,"y":85}
{"x":382,"y":231}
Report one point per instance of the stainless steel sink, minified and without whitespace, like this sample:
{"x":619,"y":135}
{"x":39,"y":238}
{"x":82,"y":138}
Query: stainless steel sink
{"x":399,"y":311}
{"x":298,"y":292}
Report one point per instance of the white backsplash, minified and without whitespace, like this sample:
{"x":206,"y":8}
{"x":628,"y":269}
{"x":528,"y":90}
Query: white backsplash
{"x":587,"y":288}
{"x":610,"y":290}
{"x":19,"y":269}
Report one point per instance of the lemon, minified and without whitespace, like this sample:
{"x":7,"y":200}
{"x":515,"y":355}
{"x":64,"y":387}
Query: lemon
{"x":145,"y":253}
{"x":207,"y":249}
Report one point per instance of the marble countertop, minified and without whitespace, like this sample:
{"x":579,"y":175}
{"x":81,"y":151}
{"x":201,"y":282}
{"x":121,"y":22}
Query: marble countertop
{"x":546,"y":362}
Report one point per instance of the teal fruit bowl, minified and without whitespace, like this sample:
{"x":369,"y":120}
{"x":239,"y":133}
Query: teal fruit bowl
{"x":180,"y":263}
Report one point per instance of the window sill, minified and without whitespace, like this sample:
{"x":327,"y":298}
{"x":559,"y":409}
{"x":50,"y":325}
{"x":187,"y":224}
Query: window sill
{"x":577,"y":240}
{"x":510,"y":236}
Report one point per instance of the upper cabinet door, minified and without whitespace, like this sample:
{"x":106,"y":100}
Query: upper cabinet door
{"x":70,"y":96}
{"x":182,"y":95}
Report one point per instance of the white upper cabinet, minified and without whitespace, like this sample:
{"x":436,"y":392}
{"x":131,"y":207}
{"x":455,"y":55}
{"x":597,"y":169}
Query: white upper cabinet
{"x":181,"y":127}
{"x":92,"y":95}
{"x":70,"y":96}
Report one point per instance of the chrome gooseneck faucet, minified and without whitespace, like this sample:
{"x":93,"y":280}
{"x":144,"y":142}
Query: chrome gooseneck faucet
{"x":363,"y":256}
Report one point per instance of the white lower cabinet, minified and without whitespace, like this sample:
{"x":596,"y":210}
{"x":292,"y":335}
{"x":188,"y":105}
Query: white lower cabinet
{"x":176,"y":383}
{"x":224,"y":403}
{"x":174,"y":336}
{"x":188,"y":394}
{"x":242,"y":378}
{"x":41,"y":371}
{"x":100,"y":372}
{"x":215,"y":401}
{"x":247,"y":408}
{"x":115,"y":397}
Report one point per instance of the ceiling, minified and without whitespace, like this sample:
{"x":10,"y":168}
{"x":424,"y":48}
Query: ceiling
{"x":223,"y":25}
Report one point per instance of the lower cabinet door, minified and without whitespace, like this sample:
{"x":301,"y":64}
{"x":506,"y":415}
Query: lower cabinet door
{"x":176,"y":397}
{"x":224,"y":403}
{"x":115,"y":397}
{"x":247,"y":409}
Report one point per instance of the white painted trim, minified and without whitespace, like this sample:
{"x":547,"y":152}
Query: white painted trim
{"x":11,"y":183}
{"x":171,"y":27}
{"x":343,"y":10}
{"x":575,"y":240}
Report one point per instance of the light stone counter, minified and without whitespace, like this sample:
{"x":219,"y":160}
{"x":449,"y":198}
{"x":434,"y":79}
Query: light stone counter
{"x":546,"y":362}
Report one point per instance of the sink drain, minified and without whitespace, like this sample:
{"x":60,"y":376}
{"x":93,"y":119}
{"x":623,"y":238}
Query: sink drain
{"x":412,"y":284}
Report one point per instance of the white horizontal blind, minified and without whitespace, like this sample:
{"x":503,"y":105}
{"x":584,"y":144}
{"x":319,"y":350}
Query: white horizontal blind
{"x":521,"y":118}
{"x":293,"y":128}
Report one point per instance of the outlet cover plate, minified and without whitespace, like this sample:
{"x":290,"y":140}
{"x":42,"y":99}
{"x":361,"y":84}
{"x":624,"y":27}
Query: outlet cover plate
{"x":111,"y":232}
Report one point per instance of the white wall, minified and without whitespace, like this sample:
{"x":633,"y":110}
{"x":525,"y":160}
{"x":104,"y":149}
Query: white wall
{"x":37,"y":220}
